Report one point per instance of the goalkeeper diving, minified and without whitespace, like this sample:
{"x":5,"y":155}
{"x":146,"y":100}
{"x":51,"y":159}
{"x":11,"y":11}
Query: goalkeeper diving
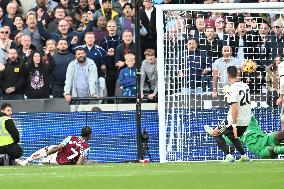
{"x":243,"y":126}
{"x":73,"y":150}
{"x":264,"y":145}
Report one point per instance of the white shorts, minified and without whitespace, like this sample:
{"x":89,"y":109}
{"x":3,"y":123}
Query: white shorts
{"x":51,"y":159}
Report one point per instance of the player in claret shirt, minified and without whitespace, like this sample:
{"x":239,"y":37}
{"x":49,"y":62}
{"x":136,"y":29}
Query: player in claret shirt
{"x":72,"y":150}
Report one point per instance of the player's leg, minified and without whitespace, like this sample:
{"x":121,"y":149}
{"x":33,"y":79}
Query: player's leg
{"x":221,"y":143}
{"x":217,"y":131}
{"x":37,"y":155}
{"x":237,"y":143}
{"x":51,"y":159}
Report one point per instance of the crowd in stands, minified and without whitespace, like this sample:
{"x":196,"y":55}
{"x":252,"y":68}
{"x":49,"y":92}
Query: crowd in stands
{"x":216,"y":40}
{"x":86,"y":48}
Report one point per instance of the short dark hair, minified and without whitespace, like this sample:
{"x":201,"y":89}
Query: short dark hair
{"x":232,"y":71}
{"x":191,"y":37}
{"x":5,"y":105}
{"x":86,"y":131}
{"x":127,"y":4}
{"x":79,"y":48}
{"x":62,"y":39}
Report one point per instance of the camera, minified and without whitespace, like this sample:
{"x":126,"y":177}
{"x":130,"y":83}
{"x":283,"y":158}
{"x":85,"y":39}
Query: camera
{"x":144,"y":141}
{"x":144,"y":136}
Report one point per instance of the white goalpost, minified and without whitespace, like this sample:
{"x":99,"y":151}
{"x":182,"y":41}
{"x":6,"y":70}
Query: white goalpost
{"x":184,"y":109}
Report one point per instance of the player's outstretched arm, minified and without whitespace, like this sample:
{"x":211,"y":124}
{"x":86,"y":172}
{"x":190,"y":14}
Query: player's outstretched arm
{"x":81,"y":160}
{"x":54,"y":149}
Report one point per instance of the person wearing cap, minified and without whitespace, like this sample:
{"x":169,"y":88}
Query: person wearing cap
{"x":106,"y":11}
{"x":73,"y":150}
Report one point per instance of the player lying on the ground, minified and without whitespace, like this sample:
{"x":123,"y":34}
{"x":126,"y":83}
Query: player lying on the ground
{"x":72,"y":150}
{"x":265,"y":145}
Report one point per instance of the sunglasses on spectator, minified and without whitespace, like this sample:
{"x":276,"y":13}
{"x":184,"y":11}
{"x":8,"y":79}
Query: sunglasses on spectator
{"x":6,"y":32}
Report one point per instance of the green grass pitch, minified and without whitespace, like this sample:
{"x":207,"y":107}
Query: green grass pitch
{"x":204,"y":175}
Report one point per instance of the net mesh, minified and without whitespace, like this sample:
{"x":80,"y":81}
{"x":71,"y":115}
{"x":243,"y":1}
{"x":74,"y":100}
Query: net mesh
{"x":249,"y":34}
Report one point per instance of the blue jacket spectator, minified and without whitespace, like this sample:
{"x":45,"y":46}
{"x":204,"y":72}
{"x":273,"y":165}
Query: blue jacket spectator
{"x":127,"y":77}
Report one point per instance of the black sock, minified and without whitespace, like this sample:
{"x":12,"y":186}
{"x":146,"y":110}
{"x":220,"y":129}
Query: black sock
{"x":237,"y":143}
{"x":222,"y":144}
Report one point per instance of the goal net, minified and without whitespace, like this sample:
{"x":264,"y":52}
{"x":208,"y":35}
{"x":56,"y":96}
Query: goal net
{"x":193,"y":43}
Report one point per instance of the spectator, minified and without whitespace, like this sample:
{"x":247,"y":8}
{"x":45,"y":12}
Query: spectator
{"x":198,"y":31}
{"x":84,"y":22}
{"x":277,"y":39}
{"x":3,"y":21}
{"x":229,"y":31}
{"x":61,"y":59}
{"x":32,"y":31}
{"x":12,"y":79}
{"x":99,"y":56}
{"x":81,"y":77}
{"x":213,"y":46}
{"x":148,"y":20}
{"x":219,"y":68}
{"x":220,"y":27}
{"x":100,"y":31}
{"x":124,"y":48}
{"x":272,"y":81}
{"x":38,"y":77}
{"x":26,"y":48}
{"x":50,"y":46}
{"x":118,"y":6}
{"x":11,"y":11}
{"x":18,"y":26}
{"x":49,"y":50}
{"x":106,"y":11}
{"x":149,"y":75}
{"x":127,"y":76}
{"x":9,"y":135}
{"x":5,"y":42}
{"x":42,"y":9}
{"x":263,"y":50}
{"x":80,"y":9}
{"x":93,"y":5}
{"x":72,"y":38}
{"x":243,"y":43}
{"x":126,"y":20}
{"x":109,"y":44}
{"x":70,"y":23}
{"x":59,"y":14}
{"x":4,"y":4}
{"x":195,"y":67}
{"x":67,"y":6}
